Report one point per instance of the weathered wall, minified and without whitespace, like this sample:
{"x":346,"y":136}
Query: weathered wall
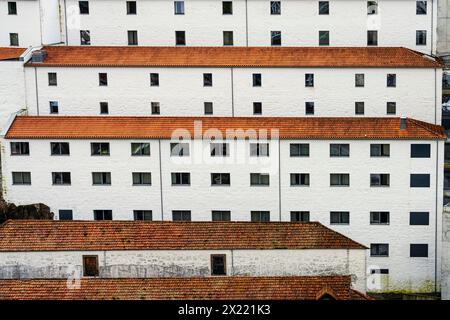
{"x":445,"y":291}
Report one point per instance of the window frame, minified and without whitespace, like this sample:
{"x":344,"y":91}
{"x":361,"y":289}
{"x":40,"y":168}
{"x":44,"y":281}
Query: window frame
{"x":263,"y":216}
{"x":85,"y":37}
{"x":376,"y":217}
{"x":96,"y":272}
{"x":300,"y":216}
{"x":275,"y":8}
{"x":229,"y":10}
{"x":342,"y":177}
{"x":181,"y":176}
{"x":52,"y":79}
{"x":383,"y":182}
{"x":275,"y":38}
{"x":180,"y":37}
{"x":131,"y":7}
{"x":207,"y":79}
{"x":59,"y":144}
{"x":12,"y":8}
{"x":141,"y":147}
{"x":341,"y":150}
{"x":185,"y":215}
{"x":420,"y":154}
{"x":101,"y":146}
{"x":84,"y":8}
{"x":223,"y":265}
{"x":377,"y":247}
{"x":322,"y":5}
{"x":104,"y":180}
{"x":132,"y":37}
{"x":105,"y":213}
{"x":142,"y":178}
{"x":178,"y":10}
{"x":420,"y":176}
{"x":23,"y":148}
{"x":300,"y":179}
{"x":343,"y":218}
{"x":22,"y":179}
{"x":382,"y":148}
{"x":219,"y":179}
{"x":228,"y":38}
{"x":182,"y":147}
{"x":256,"y":149}
{"x":63,"y":175}
{"x":260,"y":177}
{"x":224,"y":215}
{"x":154,"y":79}
{"x":300,"y":153}
{"x":144,"y":214}
{"x":14,"y":39}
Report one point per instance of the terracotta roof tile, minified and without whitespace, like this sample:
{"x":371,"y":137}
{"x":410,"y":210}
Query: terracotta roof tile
{"x":65,"y":127}
{"x":86,"y":56}
{"x":42,"y":235}
{"x":10,"y":53}
{"x":205,"y":288}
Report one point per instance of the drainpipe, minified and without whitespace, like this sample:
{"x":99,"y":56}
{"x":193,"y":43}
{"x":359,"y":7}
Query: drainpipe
{"x":37,"y":90}
{"x":232,"y":91}
{"x":65,"y":23}
{"x":246,"y":23}
{"x":436,"y":220}
{"x":160,"y":180}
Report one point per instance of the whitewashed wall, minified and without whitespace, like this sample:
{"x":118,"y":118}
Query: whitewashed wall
{"x":12,"y":89}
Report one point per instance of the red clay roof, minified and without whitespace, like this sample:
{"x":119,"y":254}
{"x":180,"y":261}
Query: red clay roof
{"x":94,"y":56}
{"x":48,"y":235}
{"x":205,"y":288}
{"x":10,"y":53}
{"x":47,"y":127}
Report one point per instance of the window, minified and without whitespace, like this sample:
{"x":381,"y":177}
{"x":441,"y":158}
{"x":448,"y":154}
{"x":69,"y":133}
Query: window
{"x":421,"y":37}
{"x":220,"y":179}
{"x":419,"y":218}
{"x":324,"y":38}
{"x":65,"y":215}
{"x":54,"y":107}
{"x":84,"y":7}
{"x":85,"y":37}
{"x":20,"y":148}
{"x":275,"y":7}
{"x":90,"y":263}
{"x":379,"y":217}
{"x":181,"y":215}
{"x":372,"y":38}
{"x":257,"y":80}
{"x":131,"y":7}
{"x":218,"y":265}
{"x":219,"y":149}
{"x":379,"y":271}
{"x":143,"y":215}
{"x":59,"y":148}
{"x":391,"y":80}
{"x":12,"y":8}
{"x":419,"y":181}
{"x":181,"y":178}
{"x":257,"y":108}
{"x":379,"y":250}
{"x":421,"y":7}
{"x":100,"y":149}
{"x":324,"y":7}
{"x":359,"y":108}
{"x":299,"y":149}
{"x":207,"y":80}
{"x":379,"y":180}
{"x":372,"y":7}
{"x":379,"y":150}
{"x":227,"y":7}
{"x":391,"y":108}
{"x":418,"y":250}
{"x":299,"y":179}
{"x":260,"y":216}
{"x":339,"y":150}
{"x":309,"y":80}
{"x":359,"y":80}
{"x":140,"y":149}
{"x":132,"y":38}
{"x":300,"y":216}
{"x":61,"y":178}
{"x":102,"y":214}
{"x":221,"y":215}
{"x":142,"y":179}
{"x":21,"y":178}
{"x":52,"y":79}
{"x":101,"y":178}
{"x":339,"y":217}
{"x":104,"y":109}
{"x":208,"y":108}
{"x":14,"y":39}
{"x":154,"y":79}
{"x":275,"y":38}
{"x":420,"y":150}
{"x":259,"y":179}
{"x":179,"y":7}
{"x":309,"y":108}
{"x":102,"y":79}
{"x":156,"y":107}
{"x":180,"y":38}
{"x":259,"y":149}
{"x":178,"y":149}
{"x":339,"y":179}
{"x":228,"y":38}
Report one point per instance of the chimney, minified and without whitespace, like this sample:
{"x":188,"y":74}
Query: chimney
{"x":402,"y":123}
{"x":38,"y":56}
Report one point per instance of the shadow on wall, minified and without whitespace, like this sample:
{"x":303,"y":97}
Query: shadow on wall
{"x":37,"y":211}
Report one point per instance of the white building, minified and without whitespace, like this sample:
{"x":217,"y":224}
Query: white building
{"x":376,"y":180}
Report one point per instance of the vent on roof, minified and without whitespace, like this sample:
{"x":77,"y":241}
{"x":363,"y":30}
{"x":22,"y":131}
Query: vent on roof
{"x":403,"y":123}
{"x":39,"y":56}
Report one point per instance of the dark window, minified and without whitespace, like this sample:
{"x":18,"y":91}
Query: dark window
{"x":65,"y":215}
{"x":359,"y":80}
{"x":419,"y":218}
{"x":52,"y":79}
{"x":104,"y":109}
{"x":379,"y":150}
{"x":420,"y":180}
{"x":228,"y":38}
{"x":219,"y":215}
{"x":420,"y":150}
{"x":59,"y":148}
{"x":299,"y":179}
{"x":421,"y":37}
{"x":418,"y":250}
{"x":379,"y":271}
{"x":180,"y":38}
{"x":156,"y":107}
{"x":140,"y":149}
{"x":260,"y":216}
{"x":339,"y":179}
{"x":181,"y":178}
{"x":218,"y":265}
{"x":220,"y":179}
{"x":102,"y":79}
{"x":309,"y":80}
{"x":339,"y":150}
{"x":359,"y":108}
{"x":324,"y":38}
{"x":143,"y":215}
{"x":14,"y":39}
{"x":179,"y":7}
{"x":324,"y":7}
{"x":257,"y":107}
{"x":101,"y":178}
{"x":259,"y":149}
{"x":12,"y":8}
{"x":154,"y":79}
{"x":100,"y":149}
{"x":372,"y":38}
{"x":339,"y":217}
{"x":219,"y":149}
{"x":379,"y":180}
{"x":102,"y":214}
{"x":21,"y":177}
{"x":142,"y":179}
{"x":299,"y":149}
{"x":227,"y":7}
{"x":372,"y":7}
{"x":379,"y":217}
{"x":209,"y":109}
{"x":300,"y":216}
{"x":84,"y":7}
{"x":90,"y":263}
{"x":275,"y":38}
{"x":391,"y":80}
{"x":379,"y":250}
{"x":257,"y":80}
{"x":207,"y":80}
{"x":61,"y":178}
{"x":20,"y":148}
{"x":421,"y":7}
{"x":259,"y":179}
{"x":179,"y":149}
{"x":391,"y":108}
{"x":85,"y":37}
{"x":54,"y":109}
{"x":132,"y":38}
{"x":275,"y":7}
{"x":181,"y":215}
{"x":131,"y":7}
{"x":309,"y":107}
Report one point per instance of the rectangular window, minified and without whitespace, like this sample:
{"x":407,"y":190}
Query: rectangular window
{"x":154,"y":79}
{"x":421,"y":37}
{"x":309,"y":108}
{"x":227,"y":7}
{"x":140,"y":149}
{"x":142,"y":179}
{"x":181,"y":215}
{"x":309,"y":80}
{"x":324,"y":7}
{"x":178,"y":149}
{"x":102,"y":214}
{"x":259,"y":179}
{"x":419,"y":181}
{"x":132,"y":38}
{"x":85,"y":37}
{"x":104,"y":109}
{"x":257,"y":108}
{"x":179,"y":7}
{"x":219,"y":149}
{"x":380,"y":150}
{"x":218,"y":265}
{"x":54,"y":108}
{"x":379,"y":250}
{"x":299,"y":179}
{"x":379,"y":217}
{"x":143,"y":215}
{"x":219,"y":215}
{"x":209,"y":108}
{"x":84,"y":7}
{"x":257,"y":80}
{"x":391,"y":80}
{"x":421,"y":7}
{"x":20,"y":148}
{"x":379,"y":271}
{"x":275,"y":7}
{"x":155,"y":106}
{"x":207,"y":80}
{"x":372,"y":37}
{"x":100,"y":149}
{"x":228,"y":38}
{"x":131,"y":7}
{"x":391,"y":108}
{"x":259,"y":149}
{"x":275,"y":38}
{"x":65,"y":215}
{"x":181,"y":178}
{"x":324,"y":38}
{"x":14,"y":39}
{"x":418,"y":250}
{"x":299,"y":149}
{"x":419,"y":218}
{"x":12,"y":8}
{"x":180,"y":38}
{"x":379,"y":180}
{"x":339,"y":150}
{"x":52,"y":79}
{"x":61,"y":178}
{"x":359,"y":108}
{"x":260,"y":216}
{"x":21,"y":178}
{"x":90,"y":263}
{"x":422,"y":150}
{"x":339,"y":179}
{"x":220,"y":179}
{"x":59,"y":148}
{"x":339,"y":217}
{"x":372,"y":7}
{"x":299,"y":216}
{"x":359,"y":80}
{"x":102,"y":79}
{"x":101,"y":178}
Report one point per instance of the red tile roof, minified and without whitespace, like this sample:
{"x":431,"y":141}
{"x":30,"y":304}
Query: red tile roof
{"x":205,"y":288}
{"x":93,"y":56}
{"x":10,"y":53}
{"x":47,"y":235}
{"x":42,"y":127}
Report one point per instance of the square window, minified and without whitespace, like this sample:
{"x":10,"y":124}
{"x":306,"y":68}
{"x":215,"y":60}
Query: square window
{"x":179,"y":7}
{"x":102,"y":79}
{"x":359,"y":108}
{"x":156,"y":108}
{"x":85,"y":37}
{"x":12,"y":8}
{"x":299,"y":216}
{"x":52,"y":79}
{"x":309,"y":108}
{"x":208,"y":106}
{"x":84,"y":7}
{"x":207,"y":80}
{"x":227,"y":7}
{"x":324,"y":38}
{"x":275,"y":7}
{"x":228,"y":38}
{"x":421,"y":37}
{"x":14,"y":39}
{"x":143,"y":215}
{"x":180,"y":38}
{"x":359,"y":80}
{"x":104,"y":109}
{"x":372,"y":38}
{"x":218,"y":265}
{"x":65,"y":215}
{"x":391,"y":108}
{"x":421,"y":7}
{"x":324,"y":7}
{"x":132,"y":38}
{"x":154,"y":79}
{"x":90,"y":266}
{"x":257,"y":79}
{"x":257,"y":108}
{"x":131,"y":7}
{"x":275,"y":38}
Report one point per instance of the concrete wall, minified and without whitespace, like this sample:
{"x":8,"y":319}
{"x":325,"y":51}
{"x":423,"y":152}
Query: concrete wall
{"x":443,"y":27}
